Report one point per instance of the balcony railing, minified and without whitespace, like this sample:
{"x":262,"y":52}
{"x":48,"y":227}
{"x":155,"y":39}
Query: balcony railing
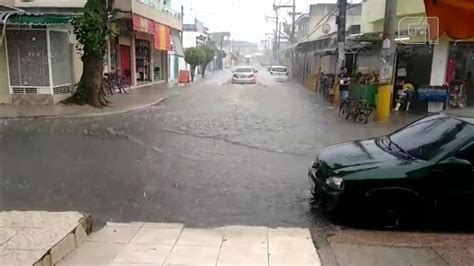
{"x":157,"y":5}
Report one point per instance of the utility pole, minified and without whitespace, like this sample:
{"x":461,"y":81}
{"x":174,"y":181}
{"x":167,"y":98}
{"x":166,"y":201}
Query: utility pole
{"x":275,"y":46}
{"x":277,"y":25}
{"x":341,"y":35}
{"x":387,"y":53}
{"x":293,"y":26}
{"x":387,"y":61}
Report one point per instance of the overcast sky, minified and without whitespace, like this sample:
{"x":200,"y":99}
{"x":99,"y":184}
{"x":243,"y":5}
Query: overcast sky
{"x":245,"y":19}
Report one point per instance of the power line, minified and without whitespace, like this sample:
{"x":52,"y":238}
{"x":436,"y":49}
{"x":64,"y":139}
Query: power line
{"x":326,"y":17}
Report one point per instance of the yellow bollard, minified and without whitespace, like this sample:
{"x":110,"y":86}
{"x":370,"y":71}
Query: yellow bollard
{"x":384,"y":100}
{"x":337,"y":96}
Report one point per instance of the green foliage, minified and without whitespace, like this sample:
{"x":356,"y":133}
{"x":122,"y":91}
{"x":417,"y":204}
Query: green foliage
{"x":209,"y":54}
{"x":195,"y":56}
{"x":93,"y":27}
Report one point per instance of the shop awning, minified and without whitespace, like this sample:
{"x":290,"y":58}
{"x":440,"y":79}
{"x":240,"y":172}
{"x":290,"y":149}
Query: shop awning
{"x":178,"y":46}
{"x":162,"y":37}
{"x":453,"y":17}
{"x":38,"y":19}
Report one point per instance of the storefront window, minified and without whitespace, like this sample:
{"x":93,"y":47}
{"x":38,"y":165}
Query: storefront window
{"x":142,"y":55}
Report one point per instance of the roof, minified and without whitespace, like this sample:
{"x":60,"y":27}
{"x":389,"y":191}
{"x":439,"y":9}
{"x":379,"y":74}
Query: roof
{"x":39,"y":19}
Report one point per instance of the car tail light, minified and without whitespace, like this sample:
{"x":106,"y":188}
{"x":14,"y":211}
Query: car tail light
{"x":287,"y":73}
{"x":251,"y":76}
{"x":236,"y":76}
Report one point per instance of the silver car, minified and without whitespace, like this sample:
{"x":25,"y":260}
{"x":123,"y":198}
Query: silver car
{"x":279,"y":73}
{"x":244,"y":75}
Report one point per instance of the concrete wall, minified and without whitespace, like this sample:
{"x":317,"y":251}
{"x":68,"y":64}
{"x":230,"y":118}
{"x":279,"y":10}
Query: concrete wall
{"x":4,"y":86}
{"x":374,"y":11}
{"x":189,"y":39}
{"x":318,"y":13}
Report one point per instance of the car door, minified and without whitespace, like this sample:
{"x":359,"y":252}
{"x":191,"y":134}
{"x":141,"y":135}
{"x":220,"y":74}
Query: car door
{"x":457,"y":183}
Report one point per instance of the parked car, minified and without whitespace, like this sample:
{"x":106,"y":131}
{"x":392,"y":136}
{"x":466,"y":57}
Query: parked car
{"x":279,"y":73}
{"x":424,"y":167}
{"x":244,"y":75}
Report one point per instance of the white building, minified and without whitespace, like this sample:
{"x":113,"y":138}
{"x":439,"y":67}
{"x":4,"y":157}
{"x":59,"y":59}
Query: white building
{"x":40,"y":65}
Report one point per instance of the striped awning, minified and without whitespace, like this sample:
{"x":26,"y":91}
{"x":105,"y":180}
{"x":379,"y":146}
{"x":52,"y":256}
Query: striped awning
{"x":161,"y":33}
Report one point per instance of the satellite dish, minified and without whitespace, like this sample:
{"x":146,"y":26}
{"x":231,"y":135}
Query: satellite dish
{"x":326,"y":28}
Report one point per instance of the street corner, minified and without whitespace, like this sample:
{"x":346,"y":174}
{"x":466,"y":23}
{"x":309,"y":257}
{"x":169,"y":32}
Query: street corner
{"x":361,"y":247}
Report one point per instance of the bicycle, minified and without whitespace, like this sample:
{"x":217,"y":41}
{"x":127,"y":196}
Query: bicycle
{"x":113,"y":83}
{"x":355,"y":110}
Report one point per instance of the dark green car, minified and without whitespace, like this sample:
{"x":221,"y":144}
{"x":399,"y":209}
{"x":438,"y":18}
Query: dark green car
{"x":424,"y":166}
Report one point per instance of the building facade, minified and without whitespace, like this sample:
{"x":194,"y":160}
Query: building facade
{"x":39,"y":63}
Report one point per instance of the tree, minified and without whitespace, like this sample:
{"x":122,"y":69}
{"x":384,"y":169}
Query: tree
{"x":92,"y":30}
{"x":194,"y":56}
{"x":209,"y":58}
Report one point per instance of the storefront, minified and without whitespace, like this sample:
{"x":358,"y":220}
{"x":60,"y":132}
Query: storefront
{"x":413,"y":65}
{"x":461,"y":68}
{"x":150,"y":47}
{"x":38,"y":58}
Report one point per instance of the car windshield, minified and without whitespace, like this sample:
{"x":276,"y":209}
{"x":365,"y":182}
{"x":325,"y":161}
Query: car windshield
{"x":432,"y":136}
{"x":244,"y":70}
{"x":279,"y":69}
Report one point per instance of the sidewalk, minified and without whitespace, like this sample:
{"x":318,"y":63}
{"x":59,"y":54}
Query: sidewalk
{"x":137,"y":98}
{"x":40,"y":238}
{"x":173,"y":244}
{"x":360,"y":247}
{"x":60,"y":238}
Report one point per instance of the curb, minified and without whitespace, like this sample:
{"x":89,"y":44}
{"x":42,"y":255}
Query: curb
{"x":126,"y":110}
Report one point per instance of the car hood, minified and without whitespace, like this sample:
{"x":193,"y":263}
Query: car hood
{"x":364,"y":159}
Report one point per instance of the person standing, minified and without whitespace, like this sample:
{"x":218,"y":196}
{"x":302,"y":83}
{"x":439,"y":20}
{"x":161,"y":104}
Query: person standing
{"x":344,"y":84}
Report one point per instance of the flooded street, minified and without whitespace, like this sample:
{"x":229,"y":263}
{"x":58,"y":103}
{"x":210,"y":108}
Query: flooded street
{"x":211,"y":154}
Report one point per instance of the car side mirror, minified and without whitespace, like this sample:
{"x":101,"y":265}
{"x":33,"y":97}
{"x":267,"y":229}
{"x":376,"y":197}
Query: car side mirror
{"x":455,"y":162}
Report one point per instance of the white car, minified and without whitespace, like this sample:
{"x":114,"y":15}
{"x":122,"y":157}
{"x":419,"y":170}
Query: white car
{"x":244,"y":75}
{"x":279,"y":73}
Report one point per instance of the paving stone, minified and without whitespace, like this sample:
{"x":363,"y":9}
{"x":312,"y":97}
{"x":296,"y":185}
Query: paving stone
{"x":132,"y":224}
{"x":243,"y":256}
{"x":200,"y":237}
{"x":40,"y":219}
{"x":245,"y":236}
{"x":114,"y":234}
{"x":376,"y":255}
{"x":193,"y":255}
{"x":93,"y":253}
{"x":156,"y":236}
{"x":37,"y":238}
{"x":80,"y":235}
{"x":64,"y":247}
{"x":7,"y":234}
{"x":140,"y":253}
{"x":163,"y":225}
{"x":20,"y":257}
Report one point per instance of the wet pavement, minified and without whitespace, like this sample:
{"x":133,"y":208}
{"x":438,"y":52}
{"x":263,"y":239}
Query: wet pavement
{"x":211,"y":154}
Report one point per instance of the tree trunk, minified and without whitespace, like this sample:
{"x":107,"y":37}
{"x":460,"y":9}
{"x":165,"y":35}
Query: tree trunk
{"x":204,"y":70}
{"x":193,"y":71}
{"x":91,"y":79}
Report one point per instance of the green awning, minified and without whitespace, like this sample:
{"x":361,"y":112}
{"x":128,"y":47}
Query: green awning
{"x":39,"y":20}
